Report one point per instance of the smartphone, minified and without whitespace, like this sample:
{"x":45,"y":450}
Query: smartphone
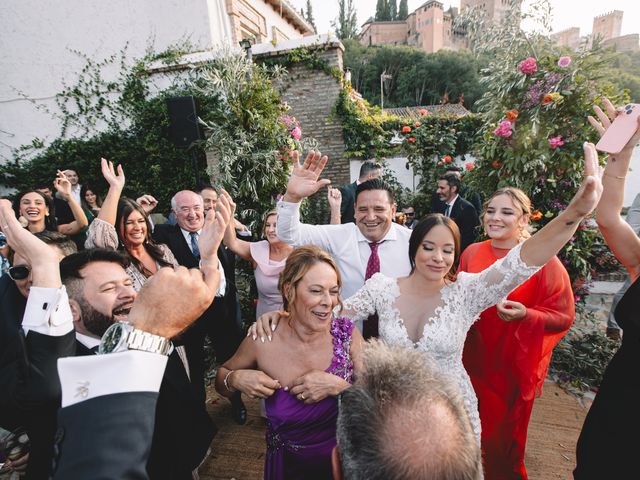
{"x":621,"y":130}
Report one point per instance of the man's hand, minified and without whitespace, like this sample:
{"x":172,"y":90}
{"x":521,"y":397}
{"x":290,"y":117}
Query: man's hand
{"x":147,"y":202}
{"x":44,"y":260}
{"x":63,"y":186}
{"x":215,"y":223}
{"x":115,"y":180}
{"x":304,"y":179}
{"x":171,"y":300}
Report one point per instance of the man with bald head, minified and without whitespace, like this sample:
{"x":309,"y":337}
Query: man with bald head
{"x":220,"y":320}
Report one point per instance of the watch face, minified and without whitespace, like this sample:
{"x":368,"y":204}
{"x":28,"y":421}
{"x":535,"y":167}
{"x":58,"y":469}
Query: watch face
{"x":111,"y":338}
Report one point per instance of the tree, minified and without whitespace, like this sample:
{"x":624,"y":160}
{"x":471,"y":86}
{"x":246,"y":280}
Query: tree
{"x":346,"y":24}
{"x":308,"y":16}
{"x":379,"y":10}
{"x":393,"y":10}
{"x":403,"y":11}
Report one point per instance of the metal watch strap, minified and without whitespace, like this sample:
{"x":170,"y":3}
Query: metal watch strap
{"x":145,"y":341}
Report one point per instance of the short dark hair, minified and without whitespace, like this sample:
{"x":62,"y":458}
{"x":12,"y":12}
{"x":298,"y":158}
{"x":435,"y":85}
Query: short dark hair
{"x":375,"y":184}
{"x":453,"y":168}
{"x":204,"y":186}
{"x":71,"y":265}
{"x":452,"y":180}
{"x":423,"y":227}
{"x":367,"y":167}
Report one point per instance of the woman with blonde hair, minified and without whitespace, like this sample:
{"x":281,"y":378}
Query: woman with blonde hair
{"x":301,"y":371}
{"x":507,"y":351}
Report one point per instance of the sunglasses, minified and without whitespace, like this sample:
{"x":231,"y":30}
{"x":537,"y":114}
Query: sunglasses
{"x":19,"y":272}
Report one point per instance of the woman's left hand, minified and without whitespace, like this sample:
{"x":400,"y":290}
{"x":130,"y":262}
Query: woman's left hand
{"x":147,"y":202}
{"x":588,"y":195}
{"x":510,"y":310}
{"x":316,"y":385}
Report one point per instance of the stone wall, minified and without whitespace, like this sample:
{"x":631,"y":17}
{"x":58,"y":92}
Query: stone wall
{"x":312,"y":96}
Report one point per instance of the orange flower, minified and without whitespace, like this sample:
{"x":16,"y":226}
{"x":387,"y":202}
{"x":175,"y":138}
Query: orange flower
{"x":411,"y":139}
{"x":423,"y":111}
{"x":512,"y":115}
{"x":469,"y":166}
{"x":417,"y":124}
{"x":535,"y":216}
{"x":548,"y":98}
{"x":406,"y":129}
{"x":447,"y":159}
{"x":496,"y":164}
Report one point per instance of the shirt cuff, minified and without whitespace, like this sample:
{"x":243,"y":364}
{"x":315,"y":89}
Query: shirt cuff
{"x":84,"y":378}
{"x":288,"y":207}
{"x":48,"y":312}
{"x":222,"y":286}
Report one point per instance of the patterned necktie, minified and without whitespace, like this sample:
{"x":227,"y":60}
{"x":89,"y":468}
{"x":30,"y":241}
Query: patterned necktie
{"x":370,"y":327}
{"x":194,"y":244}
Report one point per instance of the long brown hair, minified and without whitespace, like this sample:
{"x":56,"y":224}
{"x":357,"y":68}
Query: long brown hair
{"x":420,"y":231}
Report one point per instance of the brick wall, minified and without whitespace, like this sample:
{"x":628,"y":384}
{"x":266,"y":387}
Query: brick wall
{"x":312,"y":96}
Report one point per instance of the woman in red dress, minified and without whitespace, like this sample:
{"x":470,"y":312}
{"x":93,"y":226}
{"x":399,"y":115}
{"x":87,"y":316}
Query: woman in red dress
{"x":508,"y":350}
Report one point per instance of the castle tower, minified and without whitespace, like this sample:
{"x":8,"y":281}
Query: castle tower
{"x":608,"y":25}
{"x":495,"y":10}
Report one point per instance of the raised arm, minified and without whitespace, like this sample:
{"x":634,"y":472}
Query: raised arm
{"x":109,"y":208}
{"x":63,"y":187}
{"x":618,"y":234}
{"x":233,"y":243}
{"x":334,"y":196}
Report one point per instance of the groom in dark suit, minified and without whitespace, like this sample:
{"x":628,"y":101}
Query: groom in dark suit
{"x":221,"y":321}
{"x":458,"y":209}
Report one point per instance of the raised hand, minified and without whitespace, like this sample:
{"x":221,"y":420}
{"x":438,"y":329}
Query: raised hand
{"x":113,"y":176}
{"x":147,"y":202}
{"x":215,"y":224}
{"x":334,"y":196}
{"x":62,"y":185}
{"x":303,"y":181}
{"x":590,"y":191}
{"x":173,"y":299}
{"x":605,"y":118}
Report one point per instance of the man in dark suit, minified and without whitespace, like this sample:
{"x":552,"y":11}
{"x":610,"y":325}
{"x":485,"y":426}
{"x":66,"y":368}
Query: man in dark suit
{"x":458,"y":209}
{"x":368,"y":171}
{"x":183,"y":429}
{"x":221,"y":320}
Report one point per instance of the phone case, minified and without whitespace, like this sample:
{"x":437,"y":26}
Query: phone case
{"x":621,"y":130}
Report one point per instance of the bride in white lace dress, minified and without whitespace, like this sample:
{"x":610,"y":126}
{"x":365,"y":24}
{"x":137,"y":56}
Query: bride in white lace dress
{"x":431,"y":309}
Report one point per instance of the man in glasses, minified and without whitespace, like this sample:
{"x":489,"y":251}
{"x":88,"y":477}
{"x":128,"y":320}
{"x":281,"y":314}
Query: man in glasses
{"x":410,"y":215}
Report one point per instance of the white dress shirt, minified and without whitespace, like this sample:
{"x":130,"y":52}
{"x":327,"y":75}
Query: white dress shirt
{"x":48,"y":312}
{"x":448,"y":210}
{"x":222,"y":286}
{"x":347,"y":245}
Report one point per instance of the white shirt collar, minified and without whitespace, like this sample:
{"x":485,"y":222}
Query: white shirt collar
{"x":87,"y":341}
{"x":453,"y":200}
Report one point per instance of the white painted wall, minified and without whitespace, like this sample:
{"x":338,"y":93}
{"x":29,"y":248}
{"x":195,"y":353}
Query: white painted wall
{"x":36,"y":37}
{"x":273,"y":19}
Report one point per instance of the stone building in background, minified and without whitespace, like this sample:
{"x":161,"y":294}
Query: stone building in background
{"x":430,"y":27}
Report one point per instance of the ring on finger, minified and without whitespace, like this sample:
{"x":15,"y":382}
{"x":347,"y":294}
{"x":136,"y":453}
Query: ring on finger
{"x":302,"y":396}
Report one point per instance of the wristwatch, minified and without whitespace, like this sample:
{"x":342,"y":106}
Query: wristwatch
{"x":123,"y":336}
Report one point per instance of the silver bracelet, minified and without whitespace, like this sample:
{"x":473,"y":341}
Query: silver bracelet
{"x":226,"y":381}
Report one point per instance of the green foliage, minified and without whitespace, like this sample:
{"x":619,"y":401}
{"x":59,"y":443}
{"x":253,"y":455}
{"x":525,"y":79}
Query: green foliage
{"x":403,"y":10}
{"x":346,"y":24}
{"x":308,"y":16}
{"x":543,"y":154}
{"x":625,"y":74}
{"x":237,"y":104}
{"x":393,"y":9}
{"x":418,"y":78}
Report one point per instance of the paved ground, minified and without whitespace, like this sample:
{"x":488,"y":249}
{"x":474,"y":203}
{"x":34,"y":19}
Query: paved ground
{"x":237,"y":452}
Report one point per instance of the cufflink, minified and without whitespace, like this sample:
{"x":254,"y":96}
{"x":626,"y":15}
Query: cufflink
{"x":82,"y":390}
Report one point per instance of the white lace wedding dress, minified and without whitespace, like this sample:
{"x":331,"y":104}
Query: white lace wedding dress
{"x":446,"y":329}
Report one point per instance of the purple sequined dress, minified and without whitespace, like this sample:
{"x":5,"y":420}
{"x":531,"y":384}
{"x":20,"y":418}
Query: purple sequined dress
{"x":300,"y":437}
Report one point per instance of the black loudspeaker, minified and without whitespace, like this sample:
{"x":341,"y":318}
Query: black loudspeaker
{"x":183,"y":121}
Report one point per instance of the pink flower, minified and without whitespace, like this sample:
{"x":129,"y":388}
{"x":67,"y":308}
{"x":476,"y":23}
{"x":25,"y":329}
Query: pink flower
{"x":469,"y":166}
{"x":564,"y":62}
{"x":528,"y":66}
{"x":556,"y":142}
{"x":296,"y":133}
{"x":504,"y":130}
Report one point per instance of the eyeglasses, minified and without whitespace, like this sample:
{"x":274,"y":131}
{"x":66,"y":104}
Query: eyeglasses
{"x":19,"y":272}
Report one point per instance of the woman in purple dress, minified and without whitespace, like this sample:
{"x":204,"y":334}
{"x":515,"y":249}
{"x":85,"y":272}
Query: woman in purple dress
{"x":301,"y":371}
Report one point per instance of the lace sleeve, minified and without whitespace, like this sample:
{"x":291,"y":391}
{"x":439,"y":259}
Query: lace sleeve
{"x":484,"y":289}
{"x":361,"y":305}
{"x":101,"y":234}
{"x":167,"y":255}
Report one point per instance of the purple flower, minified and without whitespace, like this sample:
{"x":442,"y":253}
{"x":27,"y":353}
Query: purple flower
{"x":564,"y":62}
{"x":504,"y":130}
{"x":528,"y":66}
{"x":555,"y":142}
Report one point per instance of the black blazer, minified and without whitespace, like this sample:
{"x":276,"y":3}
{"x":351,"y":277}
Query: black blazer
{"x":220,"y":321}
{"x":114,"y":444}
{"x":347,"y":207}
{"x":466,"y":217}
